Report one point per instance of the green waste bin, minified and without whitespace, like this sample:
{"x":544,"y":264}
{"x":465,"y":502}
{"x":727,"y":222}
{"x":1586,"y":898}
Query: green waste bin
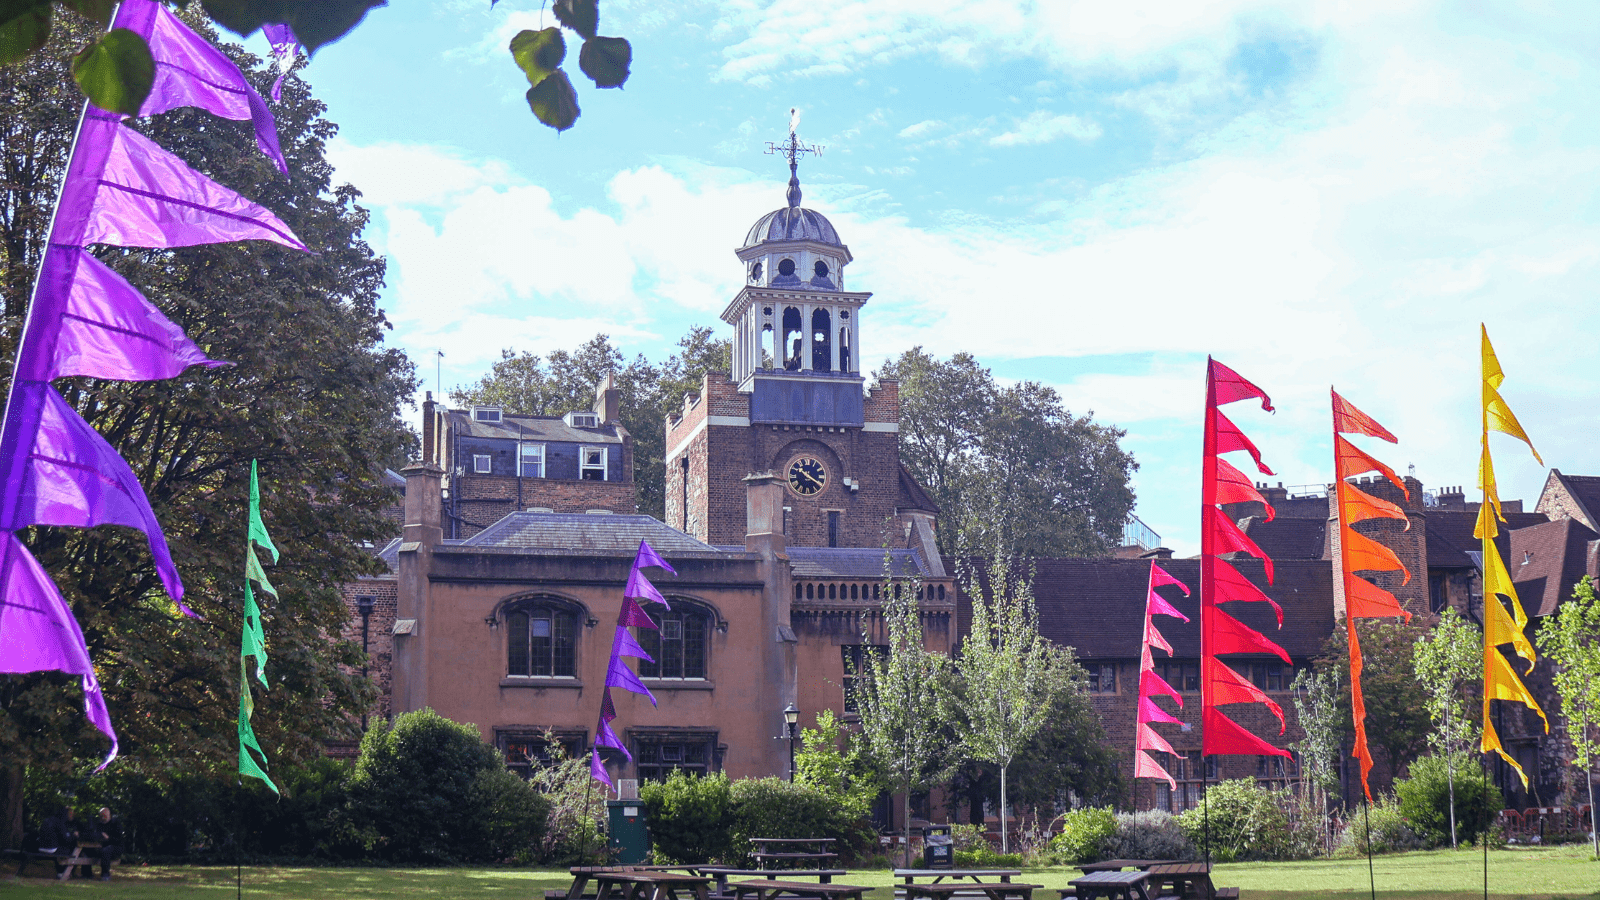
{"x":936,"y":847}
{"x":629,"y":839}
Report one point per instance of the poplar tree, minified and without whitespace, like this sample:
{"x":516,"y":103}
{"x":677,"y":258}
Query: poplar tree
{"x":1004,"y":669}
{"x":1449,"y":661}
{"x":1316,"y":706}
{"x":1571,"y":640}
{"x":905,"y":701}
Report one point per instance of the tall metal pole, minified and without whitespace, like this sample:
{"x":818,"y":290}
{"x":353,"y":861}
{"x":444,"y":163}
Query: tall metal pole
{"x":364,"y":605}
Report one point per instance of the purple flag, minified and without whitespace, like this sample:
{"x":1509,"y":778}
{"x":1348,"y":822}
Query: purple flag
{"x":73,"y":477}
{"x":640,"y":588}
{"x":284,"y":44}
{"x":150,"y":198}
{"x":633,"y":614}
{"x":191,"y":72}
{"x":597,"y":769}
{"x":625,"y":645}
{"x":109,"y":330}
{"x":649,"y":557}
{"x":619,"y":675}
{"x":39,"y":634}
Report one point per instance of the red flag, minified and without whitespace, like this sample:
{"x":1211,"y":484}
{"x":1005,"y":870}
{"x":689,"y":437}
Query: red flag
{"x":1232,"y":587}
{"x":1223,"y":735}
{"x":1229,"y":635}
{"x":1230,"y":386}
{"x":1227,"y":538}
{"x":1233,"y":486}
{"x":1229,"y":438}
{"x":1224,"y":686}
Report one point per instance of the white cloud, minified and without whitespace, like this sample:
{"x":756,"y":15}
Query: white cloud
{"x":1042,"y":127}
{"x":921,"y":129}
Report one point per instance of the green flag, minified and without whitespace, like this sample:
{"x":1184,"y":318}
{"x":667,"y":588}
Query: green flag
{"x":253,"y":638}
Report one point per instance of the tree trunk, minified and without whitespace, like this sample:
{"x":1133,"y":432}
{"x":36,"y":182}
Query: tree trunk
{"x":1594,"y":815}
{"x":1005,"y":844}
{"x":907,"y":824}
{"x":11,"y":805}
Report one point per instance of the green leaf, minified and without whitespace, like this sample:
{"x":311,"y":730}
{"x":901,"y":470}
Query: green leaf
{"x":605,"y":60}
{"x":243,"y":17}
{"x":25,"y":31}
{"x":116,"y":71}
{"x":554,"y":101}
{"x":539,"y":53}
{"x":320,"y":22}
{"x":96,"y":11}
{"x":582,"y":16}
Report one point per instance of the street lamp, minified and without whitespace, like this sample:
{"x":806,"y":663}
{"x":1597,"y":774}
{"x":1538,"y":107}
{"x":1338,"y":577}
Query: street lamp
{"x":364,"y":606}
{"x":791,"y":719}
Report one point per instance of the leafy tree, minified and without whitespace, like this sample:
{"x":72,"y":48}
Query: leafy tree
{"x":313,"y":394}
{"x":525,"y":383}
{"x":906,"y":701}
{"x":1316,"y":705}
{"x":1397,"y":718}
{"x":1004,"y":679}
{"x":1571,"y":640}
{"x":1009,"y":466}
{"x":573,"y":834}
{"x":1425,"y":800}
{"x":835,"y":763}
{"x":1449,"y":664}
{"x":116,"y":71}
{"x":689,"y":815}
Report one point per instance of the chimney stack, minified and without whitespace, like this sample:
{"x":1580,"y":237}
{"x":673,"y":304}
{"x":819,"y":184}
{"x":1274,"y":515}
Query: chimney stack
{"x":608,"y":400}
{"x":764,"y":513}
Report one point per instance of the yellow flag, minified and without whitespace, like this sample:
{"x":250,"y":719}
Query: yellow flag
{"x":1501,"y":683}
{"x":1501,"y":627}
{"x":1492,"y":374}
{"x":1499,"y":417}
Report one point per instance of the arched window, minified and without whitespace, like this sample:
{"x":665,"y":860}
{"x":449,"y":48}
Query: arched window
{"x":799,"y":592}
{"x":821,"y":352}
{"x":677,"y":643}
{"x":844,"y":348}
{"x":541,"y":638}
{"x":793,"y":338}
{"x":853,"y":592}
{"x":833,"y":592}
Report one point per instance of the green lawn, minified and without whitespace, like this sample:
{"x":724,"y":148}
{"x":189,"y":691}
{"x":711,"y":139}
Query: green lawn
{"x":1439,"y":875}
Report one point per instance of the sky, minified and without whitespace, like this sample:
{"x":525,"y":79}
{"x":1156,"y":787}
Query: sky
{"x":1090,"y":195}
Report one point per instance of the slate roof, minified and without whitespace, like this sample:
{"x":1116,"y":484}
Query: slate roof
{"x":1286,"y":538}
{"x":913,"y":495}
{"x":1450,"y":537}
{"x":1097,"y":605}
{"x":390,"y":554}
{"x":621,"y":535}
{"x":844,"y":562}
{"x":1583,"y":488}
{"x":1546,"y":560}
{"x":533,"y":428}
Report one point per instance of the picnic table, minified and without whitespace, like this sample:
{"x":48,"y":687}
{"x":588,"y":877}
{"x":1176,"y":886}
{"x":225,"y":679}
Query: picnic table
{"x":1189,"y":879}
{"x":722,"y":873}
{"x":1109,"y":884}
{"x":771,"y":889}
{"x":642,"y":885}
{"x":936,"y":888}
{"x":582,"y":875}
{"x":1113,"y":865}
{"x":765,"y":854}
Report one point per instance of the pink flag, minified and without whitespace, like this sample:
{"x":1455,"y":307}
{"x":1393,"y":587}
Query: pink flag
{"x":1160,"y":578}
{"x":1149,"y":740}
{"x":1145,"y":767}
{"x":1150,"y":712}
{"x":1151,"y":684}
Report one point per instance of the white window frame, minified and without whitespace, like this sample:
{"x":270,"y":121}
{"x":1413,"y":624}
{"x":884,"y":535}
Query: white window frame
{"x":583,"y":466}
{"x":583,"y":420}
{"x":482,"y":464}
{"x":489,"y":415}
{"x":522,"y":460}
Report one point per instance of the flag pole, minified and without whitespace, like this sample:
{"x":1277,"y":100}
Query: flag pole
{"x":1366,"y":818}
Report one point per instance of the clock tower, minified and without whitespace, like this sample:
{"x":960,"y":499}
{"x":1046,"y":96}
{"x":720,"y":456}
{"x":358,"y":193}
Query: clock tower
{"x":795,"y":404}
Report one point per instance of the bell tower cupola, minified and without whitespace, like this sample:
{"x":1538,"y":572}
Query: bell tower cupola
{"x":796,"y":344}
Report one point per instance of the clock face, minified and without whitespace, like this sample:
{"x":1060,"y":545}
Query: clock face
{"x":807,"y":476}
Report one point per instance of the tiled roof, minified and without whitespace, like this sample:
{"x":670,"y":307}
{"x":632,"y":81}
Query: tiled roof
{"x":1097,"y":605}
{"x":1546,"y":560}
{"x":1285,"y":538}
{"x":512,"y":427}
{"x":390,"y":554}
{"x":843,"y":562}
{"x":1585,"y":489}
{"x":1450,"y":535}
{"x":579,"y":531}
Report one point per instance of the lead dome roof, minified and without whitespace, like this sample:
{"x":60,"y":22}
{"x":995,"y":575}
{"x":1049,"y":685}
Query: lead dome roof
{"x":792,"y":223}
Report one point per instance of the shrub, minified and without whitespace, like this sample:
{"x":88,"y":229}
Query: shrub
{"x":1246,"y":822}
{"x":688,"y":817}
{"x":1425,"y":799}
{"x":987,"y":858}
{"x":1152,"y":834}
{"x":511,"y":815}
{"x":416,"y":793}
{"x":774,"y":808}
{"x":1391,"y":833}
{"x":1085,"y":834}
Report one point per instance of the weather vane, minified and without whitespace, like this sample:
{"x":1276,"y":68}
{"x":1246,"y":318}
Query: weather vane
{"x":792,"y":150}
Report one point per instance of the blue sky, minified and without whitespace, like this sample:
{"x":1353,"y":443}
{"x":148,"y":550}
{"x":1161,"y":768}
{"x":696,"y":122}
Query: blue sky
{"x":1088,"y":194}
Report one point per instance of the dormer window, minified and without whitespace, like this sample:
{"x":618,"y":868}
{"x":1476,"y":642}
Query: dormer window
{"x":583,"y":420}
{"x":486,"y":414}
{"x":592,"y":463}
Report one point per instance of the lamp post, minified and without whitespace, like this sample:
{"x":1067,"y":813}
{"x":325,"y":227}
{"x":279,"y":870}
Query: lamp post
{"x":364,"y":606}
{"x":791,"y":719}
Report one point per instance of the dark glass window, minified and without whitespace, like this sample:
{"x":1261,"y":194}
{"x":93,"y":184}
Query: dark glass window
{"x":526,"y":751}
{"x":656,"y":755}
{"x":1102,"y":677}
{"x":1182,"y":674}
{"x":857,"y":666}
{"x":541,"y":640}
{"x":1269,"y":676}
{"x":679,"y":646}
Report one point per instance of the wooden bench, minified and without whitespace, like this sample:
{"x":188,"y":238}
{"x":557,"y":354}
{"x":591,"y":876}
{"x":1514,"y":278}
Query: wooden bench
{"x":72,"y":861}
{"x":993,"y":890}
{"x":769,"y":889}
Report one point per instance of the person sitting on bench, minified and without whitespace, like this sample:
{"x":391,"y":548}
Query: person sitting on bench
{"x":59,"y":835}
{"x":108,"y":831}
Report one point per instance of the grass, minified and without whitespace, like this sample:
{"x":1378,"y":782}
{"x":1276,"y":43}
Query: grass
{"x":1537,"y":874}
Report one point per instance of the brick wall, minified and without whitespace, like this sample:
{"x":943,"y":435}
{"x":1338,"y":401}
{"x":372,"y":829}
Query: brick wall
{"x":882,"y":403}
{"x":483,"y":500}
{"x":380,"y":633}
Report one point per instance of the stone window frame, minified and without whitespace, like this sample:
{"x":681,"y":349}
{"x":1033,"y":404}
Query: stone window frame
{"x":652,"y":746}
{"x":649,"y":639}
{"x":518,"y":746}
{"x":582,"y":621}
